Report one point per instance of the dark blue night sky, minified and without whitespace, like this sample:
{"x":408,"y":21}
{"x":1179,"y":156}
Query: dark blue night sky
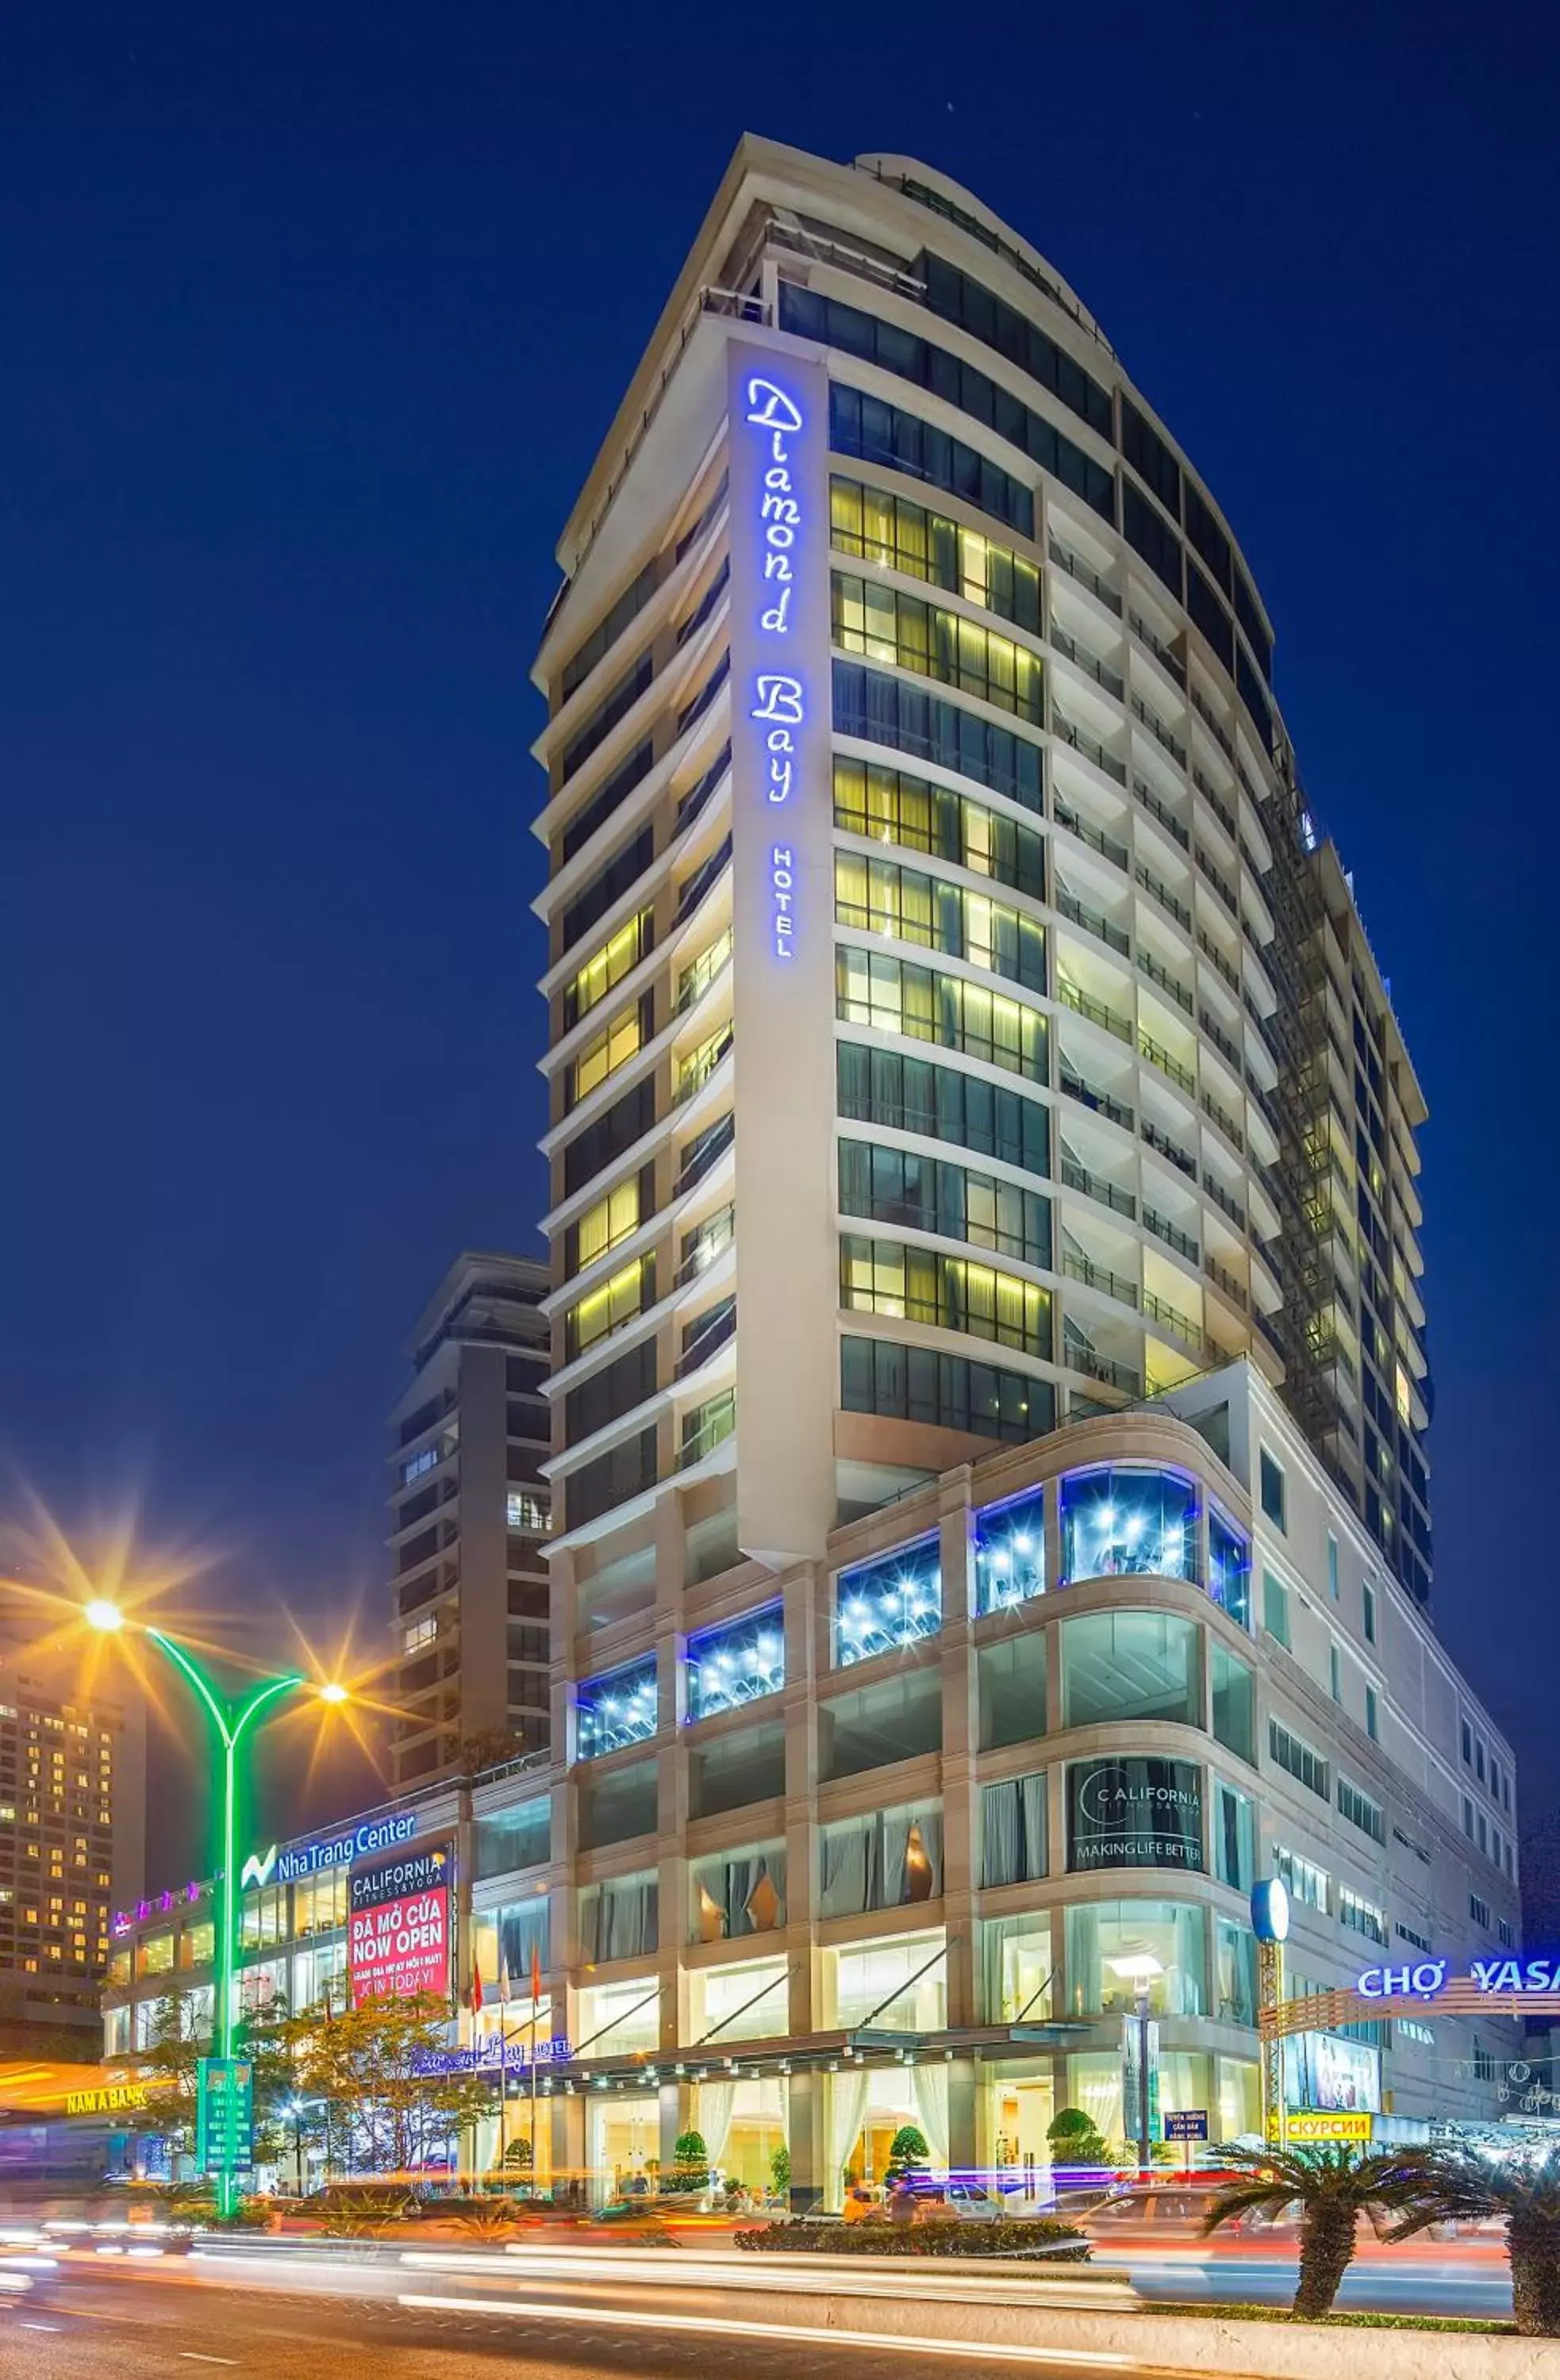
{"x":312,"y":317}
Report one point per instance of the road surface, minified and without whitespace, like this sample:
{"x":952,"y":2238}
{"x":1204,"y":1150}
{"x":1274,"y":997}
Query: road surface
{"x":106,"y":2325}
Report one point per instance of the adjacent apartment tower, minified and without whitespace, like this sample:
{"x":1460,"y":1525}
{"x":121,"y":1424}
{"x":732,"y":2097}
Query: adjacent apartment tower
{"x":468,"y":1525}
{"x":957,"y":1024}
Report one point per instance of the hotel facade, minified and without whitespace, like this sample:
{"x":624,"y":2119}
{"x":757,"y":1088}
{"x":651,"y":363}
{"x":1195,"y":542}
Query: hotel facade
{"x":989,"y":1523}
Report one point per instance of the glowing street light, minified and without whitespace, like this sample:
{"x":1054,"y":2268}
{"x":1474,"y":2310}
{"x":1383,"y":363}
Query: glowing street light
{"x":232,"y":1719}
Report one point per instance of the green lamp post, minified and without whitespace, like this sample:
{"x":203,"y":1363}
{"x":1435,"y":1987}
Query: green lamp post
{"x":234,"y":1720}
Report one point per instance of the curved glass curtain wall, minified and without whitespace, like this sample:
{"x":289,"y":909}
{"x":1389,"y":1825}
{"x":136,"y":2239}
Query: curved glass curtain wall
{"x":739,"y":1662}
{"x":883,"y":1605}
{"x":616,"y":1708}
{"x":1123,"y":1523}
{"x":1010,"y":1554}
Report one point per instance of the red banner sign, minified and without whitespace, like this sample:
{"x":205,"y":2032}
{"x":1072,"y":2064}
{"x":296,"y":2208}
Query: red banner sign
{"x":398,"y":1926}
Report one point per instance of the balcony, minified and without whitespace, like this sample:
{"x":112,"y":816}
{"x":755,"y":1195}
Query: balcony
{"x":1222,"y":1199}
{"x":696,"y":1070}
{"x":702,"y":878}
{"x":697,"y":796}
{"x":1171,"y":1233}
{"x":1147,"y":964}
{"x":1103,"y":1367}
{"x":1158,"y":730}
{"x":1093,"y":922}
{"x":705,"y":1244}
{"x":1097,"y":840}
{"x":1101,"y":1103}
{"x":1221,"y":965}
{"x":1224,"y":1043}
{"x":1076,"y":1266}
{"x":1157,"y":888}
{"x":706,"y":1427}
{"x":1066,"y":732}
{"x":1094,"y":1185}
{"x":704,"y":1153}
{"x":1110,"y":680}
{"x":1181,"y":1158}
{"x":1084,"y":1004}
{"x":1212,"y":725}
{"x":1158,"y":1055}
{"x":1221,"y":884}
{"x":1167,"y":659}
{"x":1160,"y":1310}
{"x":1144,"y":794}
{"x":1223,"y":1118}
{"x":1215,"y":802}
{"x":1221,"y":1278}
{"x":1086,"y":578}
{"x":705,"y":1337}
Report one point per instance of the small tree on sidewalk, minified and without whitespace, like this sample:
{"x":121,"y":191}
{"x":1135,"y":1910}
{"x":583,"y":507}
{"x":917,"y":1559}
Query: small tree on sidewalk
{"x":387,"y":2107}
{"x":1462,"y":2188}
{"x":1334,"y":2183}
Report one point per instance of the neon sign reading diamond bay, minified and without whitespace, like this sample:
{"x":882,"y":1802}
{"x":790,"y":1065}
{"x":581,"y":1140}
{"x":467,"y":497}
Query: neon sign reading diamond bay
{"x":779,"y":697}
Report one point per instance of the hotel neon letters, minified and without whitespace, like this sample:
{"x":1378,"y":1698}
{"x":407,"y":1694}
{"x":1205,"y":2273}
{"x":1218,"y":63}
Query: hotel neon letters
{"x":779,"y":698}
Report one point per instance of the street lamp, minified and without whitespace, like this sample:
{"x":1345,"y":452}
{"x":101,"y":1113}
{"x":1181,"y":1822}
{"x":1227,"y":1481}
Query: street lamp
{"x":233,"y":1719}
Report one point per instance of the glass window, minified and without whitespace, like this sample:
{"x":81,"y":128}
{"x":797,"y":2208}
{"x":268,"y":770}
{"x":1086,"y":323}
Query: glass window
{"x":619,"y":1919}
{"x":512,"y":1838}
{"x":197,"y":1943}
{"x":1273,"y":1492}
{"x":607,"y":967}
{"x":1010,"y":1680}
{"x":617,"y":1709}
{"x":748,"y":1766}
{"x":1135,"y":1811}
{"x":617,"y":2017}
{"x":612,"y":1047}
{"x":885,"y":1087}
{"x":893,"y":1720}
{"x":953,"y":1391}
{"x":1368,"y":1612}
{"x":1013,"y":1831}
{"x":893,"y":995}
{"x":878,"y":622}
{"x":736,"y":1663}
{"x":739,"y":2003}
{"x":1235,"y":1839}
{"x":1113,"y":1945}
{"x":116,"y":2031}
{"x":882,"y":1861}
{"x":606,"y":1309}
{"x":900,"y":1984}
{"x":1303,"y":1880}
{"x":610,"y":1221}
{"x":875,"y":432}
{"x":320,"y":1904}
{"x":155,"y":1955}
{"x":1276,"y":1608}
{"x":1230,"y":1567}
{"x":1235,"y":1954}
{"x":896,"y":533}
{"x":1289,"y":1753}
{"x":1333,"y":1567}
{"x":614,"y":1808}
{"x":1118,"y":1521}
{"x":736,"y":1893}
{"x":1010,"y":1552}
{"x":926,"y":1194}
{"x":1130,"y":1665}
{"x":883,"y":1605}
{"x":887,"y":805}
{"x":1015,"y":1970}
{"x":909,"y":719}
{"x":1235,"y":1705}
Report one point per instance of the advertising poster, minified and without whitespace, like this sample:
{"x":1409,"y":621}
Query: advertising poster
{"x":1323,"y":2072}
{"x":1133,"y":1812}
{"x":399,"y":1925}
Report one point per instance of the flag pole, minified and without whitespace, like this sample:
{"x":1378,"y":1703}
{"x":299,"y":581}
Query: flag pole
{"x":535,"y":2011}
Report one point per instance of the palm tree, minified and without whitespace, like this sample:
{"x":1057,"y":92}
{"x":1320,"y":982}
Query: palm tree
{"x":1456,"y":2186}
{"x":1334,"y":2183}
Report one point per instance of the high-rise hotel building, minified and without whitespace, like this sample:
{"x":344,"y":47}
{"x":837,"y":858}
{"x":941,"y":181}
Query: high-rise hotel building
{"x":960,"y":1036}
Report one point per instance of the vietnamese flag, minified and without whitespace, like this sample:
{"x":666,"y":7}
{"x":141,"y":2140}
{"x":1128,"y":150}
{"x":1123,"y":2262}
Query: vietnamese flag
{"x":476,"y":1986}
{"x":535,"y":1973}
